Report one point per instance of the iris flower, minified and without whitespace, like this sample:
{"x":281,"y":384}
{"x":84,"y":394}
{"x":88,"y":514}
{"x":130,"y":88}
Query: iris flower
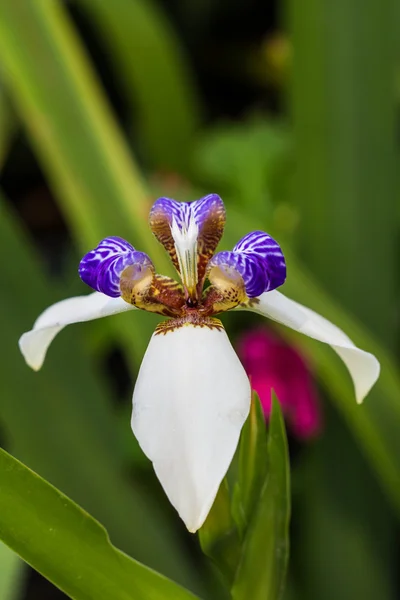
{"x":192,"y":394}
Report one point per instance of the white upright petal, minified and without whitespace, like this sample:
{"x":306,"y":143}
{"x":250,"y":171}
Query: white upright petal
{"x":191,"y":399}
{"x":34,"y":343}
{"x":363,"y":367}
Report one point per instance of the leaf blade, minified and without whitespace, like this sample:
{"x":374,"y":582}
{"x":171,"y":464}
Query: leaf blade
{"x":68,"y":546}
{"x":261,"y":573}
{"x":218,"y":536}
{"x":253,"y":453}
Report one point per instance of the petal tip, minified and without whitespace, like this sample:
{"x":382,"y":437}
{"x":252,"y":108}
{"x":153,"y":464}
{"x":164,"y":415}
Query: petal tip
{"x":361,"y":394}
{"x":33,"y":361}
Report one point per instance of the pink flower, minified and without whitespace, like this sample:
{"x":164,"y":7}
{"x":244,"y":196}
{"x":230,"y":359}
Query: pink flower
{"x":272,"y":364}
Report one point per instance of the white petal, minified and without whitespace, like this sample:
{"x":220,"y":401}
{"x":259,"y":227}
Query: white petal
{"x":34,"y":343}
{"x":363,"y":367}
{"x":191,"y":399}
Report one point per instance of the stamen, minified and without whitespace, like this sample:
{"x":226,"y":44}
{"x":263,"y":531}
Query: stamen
{"x":185,"y":240}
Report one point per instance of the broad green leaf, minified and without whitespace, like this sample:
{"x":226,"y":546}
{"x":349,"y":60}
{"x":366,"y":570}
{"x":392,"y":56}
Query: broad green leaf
{"x":218,"y":536}
{"x":253,"y":457}
{"x":155,"y":76}
{"x":64,"y":543}
{"x":60,"y":421}
{"x":262,"y":570}
{"x":11,"y":573}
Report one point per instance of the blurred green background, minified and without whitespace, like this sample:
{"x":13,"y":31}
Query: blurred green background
{"x":288,"y":110}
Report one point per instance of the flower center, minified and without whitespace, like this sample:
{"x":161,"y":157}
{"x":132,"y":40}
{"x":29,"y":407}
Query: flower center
{"x":185,"y":241}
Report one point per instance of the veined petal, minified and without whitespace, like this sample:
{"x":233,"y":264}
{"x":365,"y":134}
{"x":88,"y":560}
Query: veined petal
{"x":261,"y":245}
{"x":34,"y":343}
{"x":225,"y":266}
{"x":257,"y":258}
{"x":102,"y":267}
{"x":209,"y":213}
{"x":162,"y":215}
{"x":363,"y":366}
{"x":191,"y":399}
{"x":190,"y":232}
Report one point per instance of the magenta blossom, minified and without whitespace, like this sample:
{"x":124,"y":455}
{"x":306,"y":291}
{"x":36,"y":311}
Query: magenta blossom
{"x":272,"y":364}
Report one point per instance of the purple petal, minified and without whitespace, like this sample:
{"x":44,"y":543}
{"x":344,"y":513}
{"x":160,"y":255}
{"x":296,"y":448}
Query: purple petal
{"x":209,"y":215}
{"x":163,"y":211}
{"x":167,"y":209}
{"x":203,"y":208}
{"x":267,"y":250}
{"x":250,"y":268}
{"x":259,"y":261}
{"x":102,"y":267}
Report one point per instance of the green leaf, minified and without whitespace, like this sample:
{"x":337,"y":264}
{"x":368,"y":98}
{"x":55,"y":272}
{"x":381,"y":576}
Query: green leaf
{"x":253,"y":466}
{"x":150,"y":63}
{"x":64,"y":543}
{"x":262,"y":570}
{"x":218,"y":536}
{"x":11,"y":568}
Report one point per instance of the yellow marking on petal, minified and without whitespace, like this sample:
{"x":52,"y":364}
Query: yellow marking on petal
{"x":152,"y":292}
{"x":226,"y":291}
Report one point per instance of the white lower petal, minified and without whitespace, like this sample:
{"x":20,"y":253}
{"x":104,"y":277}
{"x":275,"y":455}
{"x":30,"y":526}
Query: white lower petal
{"x":191,"y":399}
{"x":363,"y":367}
{"x":34,"y":343}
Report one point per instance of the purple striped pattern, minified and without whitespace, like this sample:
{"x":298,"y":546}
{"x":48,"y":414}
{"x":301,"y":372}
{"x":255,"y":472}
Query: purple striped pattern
{"x":209,"y":215}
{"x":264,"y":247}
{"x":102,"y":267}
{"x":169,"y":209}
{"x":183,"y":211}
{"x":250,"y":269}
{"x":259,"y":261}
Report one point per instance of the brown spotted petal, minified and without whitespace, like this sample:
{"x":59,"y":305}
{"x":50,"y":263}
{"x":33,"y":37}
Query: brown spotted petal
{"x":152,"y":292}
{"x":227,"y":291}
{"x":209,"y":214}
{"x":205,"y":216}
{"x":163,"y":211}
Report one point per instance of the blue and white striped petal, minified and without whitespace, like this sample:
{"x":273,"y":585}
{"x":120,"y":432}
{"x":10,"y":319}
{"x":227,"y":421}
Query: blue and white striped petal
{"x":259,"y":261}
{"x":229,"y":265}
{"x":261,"y":245}
{"x":102,"y":267}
